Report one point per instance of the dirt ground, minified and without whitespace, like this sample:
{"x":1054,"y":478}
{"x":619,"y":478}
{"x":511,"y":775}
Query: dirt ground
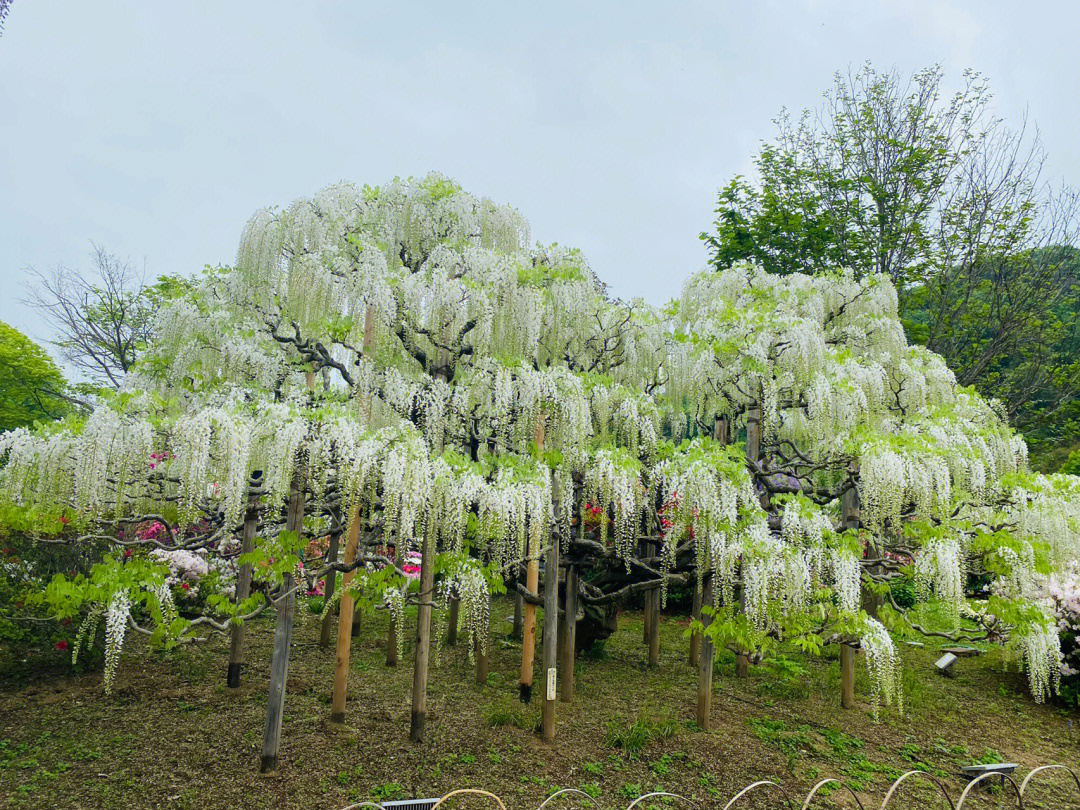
{"x":173,"y":736}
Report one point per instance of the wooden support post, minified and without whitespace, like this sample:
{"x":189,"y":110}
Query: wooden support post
{"x":392,"y":628}
{"x":392,"y":643}
{"x":347,"y":607}
{"x":423,"y":639}
{"x":528,"y":630}
{"x":695,"y":613}
{"x":425,"y":605}
{"x":847,"y":676}
{"x":532,"y":584}
{"x":344,"y":634}
{"x":705,"y":665}
{"x":452,"y":621}
{"x":328,"y":593}
{"x":519,"y":614}
{"x":279,"y":662}
{"x":569,"y":636}
{"x":646,"y":608}
{"x":482,"y":660}
{"x":243,"y":581}
{"x":551,"y":639}
{"x":654,"y":628}
{"x":357,"y":623}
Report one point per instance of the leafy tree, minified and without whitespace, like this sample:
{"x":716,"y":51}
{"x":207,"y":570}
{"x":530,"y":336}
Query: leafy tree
{"x":31,"y":386}
{"x":897,"y":178}
{"x":103,"y":320}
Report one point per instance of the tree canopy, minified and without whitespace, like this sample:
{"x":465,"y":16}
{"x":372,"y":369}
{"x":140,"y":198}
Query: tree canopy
{"x":400,"y":362}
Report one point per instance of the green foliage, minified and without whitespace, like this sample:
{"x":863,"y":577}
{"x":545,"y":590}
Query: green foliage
{"x":894,"y":176}
{"x":632,"y":738}
{"x":32,"y":388}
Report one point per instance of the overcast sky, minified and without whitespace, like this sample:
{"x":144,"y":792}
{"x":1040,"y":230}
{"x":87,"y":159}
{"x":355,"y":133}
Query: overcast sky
{"x":157,"y":129}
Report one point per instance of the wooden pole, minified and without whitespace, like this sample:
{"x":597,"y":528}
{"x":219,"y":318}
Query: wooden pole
{"x":532,"y":584}
{"x":392,"y":643}
{"x":519,"y":614}
{"x":551,"y":639}
{"x":654,"y":621}
{"x":695,"y":613}
{"x":753,"y":457}
{"x":482,"y":661}
{"x":569,"y":635}
{"x":344,"y":635}
{"x":425,"y":605}
{"x":331,"y":584}
{"x":279,"y":662}
{"x":423,"y":638}
{"x":243,"y":581}
{"x":646,"y":608}
{"x":847,"y":676}
{"x":452,"y":620}
{"x":347,"y":606}
{"x":392,"y":628}
{"x":705,"y":665}
{"x":357,"y":622}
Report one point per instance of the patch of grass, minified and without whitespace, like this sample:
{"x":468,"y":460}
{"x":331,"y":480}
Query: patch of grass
{"x":388,"y":791}
{"x":591,"y":789}
{"x":791,"y":742}
{"x":631,"y":790}
{"x":633,"y":737}
{"x":597,"y":652}
{"x":510,"y":712}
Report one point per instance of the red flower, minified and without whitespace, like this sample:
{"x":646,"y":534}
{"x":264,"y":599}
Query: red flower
{"x":61,"y":645}
{"x":185,"y":586}
{"x":127,"y":553}
{"x":64,"y":520}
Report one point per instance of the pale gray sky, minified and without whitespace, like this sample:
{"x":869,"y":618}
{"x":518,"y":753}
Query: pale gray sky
{"x":157,"y":129}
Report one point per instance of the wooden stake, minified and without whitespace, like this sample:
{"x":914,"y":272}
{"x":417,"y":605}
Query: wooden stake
{"x":532,"y":584}
{"x":452,"y":620}
{"x":347,"y":606}
{"x":569,"y":635}
{"x":344,"y":634}
{"x":423,"y":639}
{"x":847,"y":676}
{"x":482,"y":661}
{"x":519,"y":614}
{"x":331,"y":584}
{"x":391,"y":643}
{"x":654,"y":620}
{"x":551,"y":638}
{"x":695,"y":613}
{"x":279,"y":662}
{"x":243,"y":581}
{"x":646,"y":608}
{"x":705,"y":665}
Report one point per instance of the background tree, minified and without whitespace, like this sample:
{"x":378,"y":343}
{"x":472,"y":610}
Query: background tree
{"x":103,"y":320}
{"x":896,"y":177}
{"x":31,"y":386}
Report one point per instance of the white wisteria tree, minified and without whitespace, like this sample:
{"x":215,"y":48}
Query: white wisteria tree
{"x":396,"y":369}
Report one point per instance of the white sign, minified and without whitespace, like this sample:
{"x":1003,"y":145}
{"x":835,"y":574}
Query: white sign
{"x":551,"y":683}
